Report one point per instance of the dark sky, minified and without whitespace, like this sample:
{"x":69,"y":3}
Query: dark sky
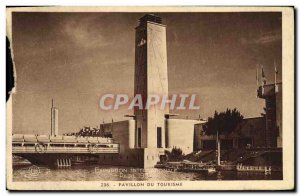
{"x":74,"y":58}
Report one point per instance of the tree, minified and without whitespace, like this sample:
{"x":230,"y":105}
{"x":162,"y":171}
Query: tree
{"x":175,"y":154}
{"x":222,"y":123}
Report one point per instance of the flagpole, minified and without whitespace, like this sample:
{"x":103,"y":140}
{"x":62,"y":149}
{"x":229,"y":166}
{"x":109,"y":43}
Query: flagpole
{"x":262,"y":79}
{"x":257,"y":77}
{"x":257,"y":82}
{"x":218,"y":150}
{"x":276,"y":71}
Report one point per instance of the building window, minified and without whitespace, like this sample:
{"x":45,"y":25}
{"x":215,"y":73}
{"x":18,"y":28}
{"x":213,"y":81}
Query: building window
{"x":159,"y":143}
{"x":139,"y":137}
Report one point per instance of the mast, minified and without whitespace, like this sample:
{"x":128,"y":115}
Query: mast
{"x":275,"y":75}
{"x":218,"y":150}
{"x":257,"y":77}
{"x":263,"y":79}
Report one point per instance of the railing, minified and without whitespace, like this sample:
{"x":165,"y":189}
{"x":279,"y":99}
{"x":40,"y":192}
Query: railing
{"x":59,"y":138}
{"x":52,"y":149}
{"x":245,"y":168}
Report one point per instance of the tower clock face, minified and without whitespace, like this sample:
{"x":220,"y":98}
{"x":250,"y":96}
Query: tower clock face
{"x":142,"y":42}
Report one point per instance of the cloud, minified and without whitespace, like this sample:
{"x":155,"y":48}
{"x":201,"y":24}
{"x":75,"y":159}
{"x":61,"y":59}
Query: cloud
{"x":269,"y":38}
{"x":81,"y":32}
{"x":266,"y":38}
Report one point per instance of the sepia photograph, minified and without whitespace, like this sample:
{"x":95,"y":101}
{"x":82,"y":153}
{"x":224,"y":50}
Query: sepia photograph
{"x":150,"y":98}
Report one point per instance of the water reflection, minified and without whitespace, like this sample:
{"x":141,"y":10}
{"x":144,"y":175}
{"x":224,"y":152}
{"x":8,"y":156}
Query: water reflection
{"x":111,"y":173}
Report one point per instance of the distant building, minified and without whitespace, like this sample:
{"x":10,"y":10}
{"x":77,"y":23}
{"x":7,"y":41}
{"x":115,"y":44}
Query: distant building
{"x":250,"y":133}
{"x":259,"y":132}
{"x":272,"y":93}
{"x":54,"y":120}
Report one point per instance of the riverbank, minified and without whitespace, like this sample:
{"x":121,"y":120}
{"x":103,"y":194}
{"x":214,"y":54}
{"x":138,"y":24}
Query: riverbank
{"x":188,"y":166}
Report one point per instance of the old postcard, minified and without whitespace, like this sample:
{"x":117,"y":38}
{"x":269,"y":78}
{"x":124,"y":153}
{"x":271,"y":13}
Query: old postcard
{"x":150,"y":98}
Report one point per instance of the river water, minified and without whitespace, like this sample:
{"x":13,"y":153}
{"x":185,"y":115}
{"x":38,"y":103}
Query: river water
{"x":117,"y":173}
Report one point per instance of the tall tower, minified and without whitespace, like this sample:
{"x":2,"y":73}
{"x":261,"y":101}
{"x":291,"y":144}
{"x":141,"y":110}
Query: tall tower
{"x":151,"y":78}
{"x":54,"y":120}
{"x":272,"y":93}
